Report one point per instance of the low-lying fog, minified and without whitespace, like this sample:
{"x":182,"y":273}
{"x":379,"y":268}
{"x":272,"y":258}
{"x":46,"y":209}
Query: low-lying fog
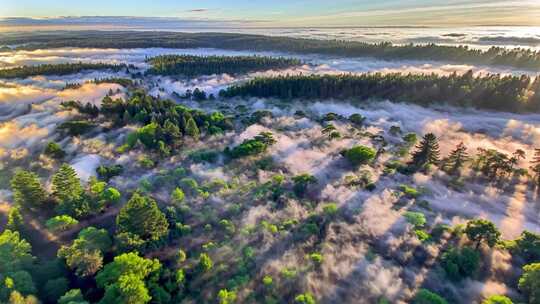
{"x":30,"y":112}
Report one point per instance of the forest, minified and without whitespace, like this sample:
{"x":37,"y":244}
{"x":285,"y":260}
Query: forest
{"x":491,"y":92}
{"x":518,"y":58}
{"x":57,"y":69}
{"x":192,"y":66}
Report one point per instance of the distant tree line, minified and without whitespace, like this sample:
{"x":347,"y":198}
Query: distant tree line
{"x":57,"y":69}
{"x":492,"y":92}
{"x":189,"y":65}
{"x":519,"y":57}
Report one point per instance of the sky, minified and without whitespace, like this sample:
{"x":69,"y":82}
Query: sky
{"x":263,"y":13}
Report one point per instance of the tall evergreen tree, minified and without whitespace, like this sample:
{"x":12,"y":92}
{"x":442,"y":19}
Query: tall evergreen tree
{"x":66,"y":185}
{"x":191,"y":128}
{"x":427,"y":152}
{"x":536,"y":166}
{"x":142,"y":217}
{"x":27,"y":189}
{"x":456,"y":160}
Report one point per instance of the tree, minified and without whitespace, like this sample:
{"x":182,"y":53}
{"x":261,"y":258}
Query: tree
{"x":55,"y":288}
{"x":124,"y":279}
{"x":66,"y":185}
{"x":205,"y":262}
{"x":301,"y":183}
{"x":536,"y":166}
{"x":359,"y":155}
{"x":15,"y":219}
{"x":459,"y":264}
{"x":14,"y":252}
{"x":424,"y":296}
{"x":61,"y":222}
{"x":456,"y":160}
{"x":17,"y":298}
{"x":54,"y":150}
{"x":497,"y":300}
{"x":85,"y":255}
{"x":427,"y":152}
{"x":480,"y":230}
{"x":226,"y":297}
{"x":529,"y":282}
{"x":142,"y":217}
{"x":191,"y":129}
{"x":528,"y":246}
{"x":73,"y":296}
{"x":305,"y":298}
{"x":177,"y":196}
{"x":27,"y":189}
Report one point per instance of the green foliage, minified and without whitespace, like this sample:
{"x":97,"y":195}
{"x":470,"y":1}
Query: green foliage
{"x":73,"y":296}
{"x":330,"y":209}
{"x":54,"y":150}
{"x":27,"y":189}
{"x":76,"y":127}
{"x":124,"y":279}
{"x":191,"y":128}
{"x":61,"y":222}
{"x":316,"y":258}
{"x":301,"y":183}
{"x":409,"y":191}
{"x":481,"y":230}
{"x":257,"y":145}
{"x":205,"y":262}
{"x":528,"y":246}
{"x":529,"y":282}
{"x":427,"y":152}
{"x":142,"y":217}
{"x":107,"y":172}
{"x":305,"y":298}
{"x":417,"y":219}
{"x":191,"y":66}
{"x":226,"y":297}
{"x":177,"y":196}
{"x":267,"y":280}
{"x":497,"y":300}
{"x":359,"y":155}
{"x":459,"y":264}
{"x":66,"y":185}
{"x":15,"y":252}
{"x":56,"y":288}
{"x":56,"y":69}
{"x":14,"y":219}
{"x":85,"y":255}
{"x":424,"y":296}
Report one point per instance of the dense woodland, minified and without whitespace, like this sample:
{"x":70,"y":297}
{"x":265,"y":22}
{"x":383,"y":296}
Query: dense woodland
{"x":520,"y":58}
{"x":492,"y":92}
{"x":190,"y":66}
{"x":57,"y":69}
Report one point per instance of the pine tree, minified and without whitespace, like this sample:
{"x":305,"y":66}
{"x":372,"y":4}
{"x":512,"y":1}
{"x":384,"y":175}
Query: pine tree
{"x":427,"y":152}
{"x":456,"y":160}
{"x":536,"y":166}
{"x":27,"y":189}
{"x":142,"y":217}
{"x":66,"y":184}
{"x":191,"y":128}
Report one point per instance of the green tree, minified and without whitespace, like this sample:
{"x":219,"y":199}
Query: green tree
{"x":528,"y":246}
{"x":55,"y":288}
{"x":427,"y":152}
{"x":456,"y":160}
{"x":177,"y":196}
{"x":124,"y":279}
{"x":14,"y":252}
{"x":459,"y":264}
{"x":54,"y":150}
{"x":481,"y":230}
{"x":359,"y":155}
{"x":424,"y":296}
{"x":27,"y":189}
{"x":301,"y":183}
{"x":61,"y":222}
{"x":191,"y":128}
{"x":66,"y":185}
{"x":15,"y":219}
{"x":73,"y":296}
{"x":17,"y":298}
{"x":529,"y":282}
{"x":205,"y":262}
{"x":85,"y":254}
{"x":226,"y":297}
{"x":305,"y":298}
{"x":535,"y":166}
{"x":142,"y":217}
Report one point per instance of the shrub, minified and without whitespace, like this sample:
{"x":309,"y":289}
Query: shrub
{"x":424,"y":296}
{"x":61,"y":222}
{"x":359,"y":155}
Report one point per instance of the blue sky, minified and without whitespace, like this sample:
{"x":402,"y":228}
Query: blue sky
{"x":295,"y":12}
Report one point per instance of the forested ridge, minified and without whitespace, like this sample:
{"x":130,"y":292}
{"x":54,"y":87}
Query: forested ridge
{"x":57,"y":69}
{"x":189,"y":65}
{"x":493,"y":92}
{"x":520,"y":58}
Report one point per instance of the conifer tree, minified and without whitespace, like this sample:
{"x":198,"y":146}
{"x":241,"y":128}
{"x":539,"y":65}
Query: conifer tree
{"x":191,"y":128}
{"x":66,"y":184}
{"x":27,"y":189}
{"x":427,"y":152}
{"x":536,"y":166}
{"x":456,"y":160}
{"x":142,"y":217}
